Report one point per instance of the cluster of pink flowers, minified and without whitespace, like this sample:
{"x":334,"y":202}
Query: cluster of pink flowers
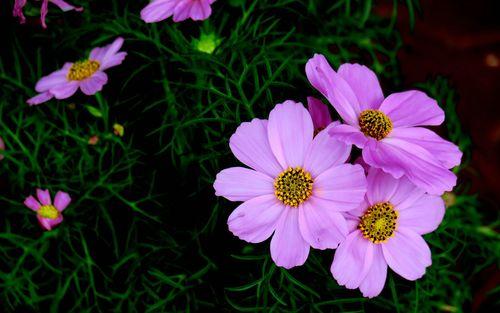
{"x":300,"y":191}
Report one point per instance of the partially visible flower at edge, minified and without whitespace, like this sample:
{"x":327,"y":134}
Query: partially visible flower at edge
{"x":159,"y":10}
{"x":48,"y":214}
{"x":19,"y":5}
{"x":88,"y":75}
{"x":2,"y":147}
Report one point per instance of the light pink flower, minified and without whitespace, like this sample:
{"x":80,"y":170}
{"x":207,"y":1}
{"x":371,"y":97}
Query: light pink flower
{"x":387,"y":231}
{"x":19,"y":5}
{"x":296,"y":188}
{"x":88,"y":75}
{"x":388,"y":129}
{"x":48,"y":214}
{"x":159,"y":10}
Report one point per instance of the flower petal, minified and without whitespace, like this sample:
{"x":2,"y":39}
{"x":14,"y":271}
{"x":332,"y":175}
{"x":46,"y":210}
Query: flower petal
{"x":48,"y":223}
{"x":32,"y":203}
{"x":200,"y":10}
{"x":424,"y":216}
{"x":320,"y":226}
{"x":342,"y":186}
{"x":444,"y":151}
{"x":65,"y":91}
{"x":108,"y":56}
{"x":158,"y":10}
{"x":290,"y":132}
{"x":412,"y":108}
{"x":288,"y":248}
{"x":250,"y":145}
{"x":256,"y":219}
{"x":319,"y":113}
{"x":407,"y":254}
{"x":43,"y":196}
{"x":333,"y":87}
{"x":94,"y":84}
{"x":54,"y":79}
{"x":352,"y":261}
{"x":381,"y":186}
{"x":349,"y":135}
{"x":65,"y":6}
{"x":364,"y":83}
{"x":40,"y":98}
{"x":374,"y":281}
{"x":61,"y":200}
{"x":242,"y":184}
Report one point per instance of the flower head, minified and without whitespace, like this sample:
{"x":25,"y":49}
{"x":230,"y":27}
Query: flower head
{"x":388,"y":129}
{"x":159,"y":10}
{"x":88,"y":75}
{"x":19,"y":6}
{"x":386,"y":230}
{"x":49,"y":214}
{"x":296,"y":187}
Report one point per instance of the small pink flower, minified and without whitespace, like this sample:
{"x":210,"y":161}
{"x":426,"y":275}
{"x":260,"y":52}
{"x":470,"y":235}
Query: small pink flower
{"x":48,"y":214}
{"x":387,"y":231}
{"x":19,"y":5}
{"x":296,"y":188}
{"x":159,"y":10}
{"x":88,"y":75}
{"x":2,"y":147}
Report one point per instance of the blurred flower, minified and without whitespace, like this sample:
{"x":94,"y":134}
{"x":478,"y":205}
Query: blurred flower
{"x":207,"y":43}
{"x":449,"y":199}
{"x":296,"y":188}
{"x":48,"y":214}
{"x":118,"y":130}
{"x":19,"y":5}
{"x":2,"y":147}
{"x":387,"y":231}
{"x":386,"y":129}
{"x":319,"y":114}
{"x":159,"y":10}
{"x":93,"y":140}
{"x":88,"y":75}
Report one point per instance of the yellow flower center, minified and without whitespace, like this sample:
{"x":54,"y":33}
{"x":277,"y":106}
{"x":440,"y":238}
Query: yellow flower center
{"x":379,"y":222}
{"x":293,"y":186}
{"x":375,"y":123}
{"x":48,"y":211}
{"x":83,"y":69}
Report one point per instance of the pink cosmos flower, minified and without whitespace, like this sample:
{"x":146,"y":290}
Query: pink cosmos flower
{"x":388,"y":129}
{"x":2,"y":147}
{"x":19,"y":5}
{"x":48,"y":214}
{"x":387,"y":230}
{"x":159,"y":10}
{"x":296,"y":187}
{"x":88,"y":75}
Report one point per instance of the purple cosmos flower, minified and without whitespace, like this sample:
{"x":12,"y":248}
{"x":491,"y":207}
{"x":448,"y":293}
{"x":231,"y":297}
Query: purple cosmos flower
{"x":159,"y":10}
{"x":387,"y":129}
{"x":48,"y":214}
{"x":88,"y":75}
{"x":296,"y":187}
{"x":19,"y":5}
{"x":387,"y":230}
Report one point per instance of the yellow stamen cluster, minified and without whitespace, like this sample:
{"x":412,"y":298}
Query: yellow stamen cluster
{"x":48,"y":211}
{"x":83,"y":69}
{"x":375,"y":123}
{"x":379,"y":222}
{"x":293,"y":186}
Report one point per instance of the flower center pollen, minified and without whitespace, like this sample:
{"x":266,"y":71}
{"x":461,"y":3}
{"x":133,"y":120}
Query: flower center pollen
{"x":293,"y":186}
{"x":375,"y":123}
{"x":83,"y":69}
{"x":48,"y":211}
{"x":379,"y":222}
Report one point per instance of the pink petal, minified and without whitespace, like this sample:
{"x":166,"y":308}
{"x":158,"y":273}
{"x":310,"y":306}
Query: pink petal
{"x":424,"y":216}
{"x":342,"y":186}
{"x":381,"y":186}
{"x":65,"y":91}
{"x":349,"y":135}
{"x":407,"y":254}
{"x":399,"y":157}
{"x":183,"y":10}
{"x":242,"y":184}
{"x":61,"y":200}
{"x":406,"y":194}
{"x":352,"y":221}
{"x":40,"y":98}
{"x":158,"y":10}
{"x":444,"y":151}
{"x":32,"y":203}
{"x":65,"y":6}
{"x":55,"y":79}
{"x":320,"y":226}
{"x":352,"y":261}
{"x":364,"y":83}
{"x":412,"y":108}
{"x":290,"y":132}
{"x":48,"y":223}
{"x":359,"y":160}
{"x":288,"y":248}
{"x":108,"y":56}
{"x":325,"y":152}
{"x":94,"y":84}
{"x":2,"y":148}
{"x":18,"y":10}
{"x":43,"y":196}
{"x":250,"y":145}
{"x":319,"y":113}
{"x":113,"y":60}
{"x":256,"y":219}
{"x":43,"y":12}
{"x":374,"y":281}
{"x":334,"y":88}
{"x":200,"y":10}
